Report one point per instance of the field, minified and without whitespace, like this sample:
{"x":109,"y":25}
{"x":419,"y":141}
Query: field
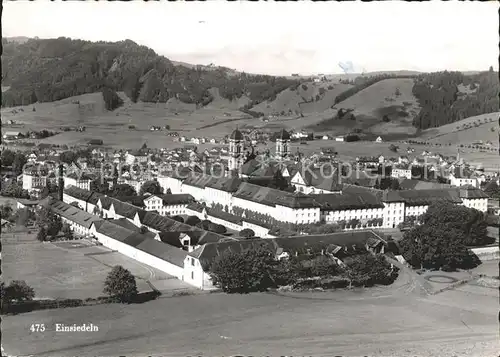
{"x":385,"y":322}
{"x":70,"y":269}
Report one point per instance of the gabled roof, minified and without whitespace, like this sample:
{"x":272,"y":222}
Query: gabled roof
{"x":421,"y":185}
{"x":73,"y":213}
{"x":84,"y":195}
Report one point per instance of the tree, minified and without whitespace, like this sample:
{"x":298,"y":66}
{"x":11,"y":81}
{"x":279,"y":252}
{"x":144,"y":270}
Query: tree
{"x":14,"y":190}
{"x":386,"y":119}
{"x":178,"y":219}
{"x":49,"y":220}
{"x":123,"y":190}
{"x":18,"y":290}
{"x":152,"y":187}
{"x":433,"y":247}
{"x":144,"y":146}
{"x":6,"y":211}
{"x":120,"y":283}
{"x":42,"y":234}
{"x":243,"y":272}
{"x":18,"y":163}
{"x":469,"y":224}
{"x":66,"y":229}
{"x":217,"y":228}
{"x":111,"y":99}
{"x":23,"y":216}
{"x":97,"y":185}
{"x":369,"y":269}
{"x":192,"y":220}
{"x":393,"y":148}
{"x":144,"y":230}
{"x":246,"y":233}
{"x":492,"y":190}
{"x":169,"y":191}
{"x":7,"y":157}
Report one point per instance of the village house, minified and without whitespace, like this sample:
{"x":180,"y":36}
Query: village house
{"x":34,"y":179}
{"x":401,"y":171}
{"x":134,"y":157}
{"x":168,"y":205}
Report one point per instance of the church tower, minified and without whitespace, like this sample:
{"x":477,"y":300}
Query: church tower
{"x":236,"y":156}
{"x":282,"y":144}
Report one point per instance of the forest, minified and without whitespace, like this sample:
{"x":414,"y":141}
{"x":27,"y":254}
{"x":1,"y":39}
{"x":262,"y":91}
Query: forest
{"x":446,"y":97}
{"x":45,"y":70}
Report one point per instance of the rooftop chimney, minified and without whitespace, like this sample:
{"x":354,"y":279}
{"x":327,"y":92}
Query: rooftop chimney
{"x":60,"y":183}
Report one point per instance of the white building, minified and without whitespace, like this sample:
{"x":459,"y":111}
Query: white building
{"x":78,"y":180}
{"x":168,"y":205}
{"x":34,"y":179}
{"x":458,"y":179}
{"x":401,"y":172}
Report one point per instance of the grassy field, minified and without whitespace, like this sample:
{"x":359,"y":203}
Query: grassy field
{"x":69,"y":269}
{"x":460,"y":322}
{"x":371,"y":104}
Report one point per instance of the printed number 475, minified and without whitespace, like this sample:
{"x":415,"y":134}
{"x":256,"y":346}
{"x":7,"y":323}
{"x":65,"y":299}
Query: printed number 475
{"x":37,"y":328}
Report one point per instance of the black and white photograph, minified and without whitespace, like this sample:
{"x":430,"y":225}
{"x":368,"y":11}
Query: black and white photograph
{"x":250,"y":178}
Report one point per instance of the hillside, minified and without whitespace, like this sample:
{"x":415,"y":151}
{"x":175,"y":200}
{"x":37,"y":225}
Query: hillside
{"x":45,"y":70}
{"x":391,"y":99}
{"x":466,"y":131}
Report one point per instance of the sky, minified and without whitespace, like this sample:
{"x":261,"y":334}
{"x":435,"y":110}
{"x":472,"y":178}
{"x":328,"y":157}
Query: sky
{"x":280,"y":38}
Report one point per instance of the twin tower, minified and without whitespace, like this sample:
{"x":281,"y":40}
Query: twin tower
{"x":236,"y":147}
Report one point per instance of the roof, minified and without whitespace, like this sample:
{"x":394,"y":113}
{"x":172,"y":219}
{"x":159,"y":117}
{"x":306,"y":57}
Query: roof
{"x":421,"y":185}
{"x":348,"y":201}
{"x":272,"y":197}
{"x":163,"y":251}
{"x":236,"y":135}
{"x":283,"y":135}
{"x":124,"y":209}
{"x":208,"y":252}
{"x":228,"y":217}
{"x":423,"y":197}
{"x":81,"y":194}
{"x":195,"y":206}
{"x":142,"y":242}
{"x":471,"y":192}
{"x":73,"y":213}
{"x":176,"y":199}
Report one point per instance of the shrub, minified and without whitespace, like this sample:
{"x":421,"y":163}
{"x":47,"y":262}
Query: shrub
{"x":120,"y":283}
{"x":192,"y":220}
{"x":369,"y":269}
{"x":42,"y":234}
{"x":246,"y":233}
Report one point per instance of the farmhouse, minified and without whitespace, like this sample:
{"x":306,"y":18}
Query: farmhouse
{"x":461,"y":178}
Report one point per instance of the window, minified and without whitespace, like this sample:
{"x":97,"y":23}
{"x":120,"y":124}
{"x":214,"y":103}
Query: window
{"x":192,"y":261}
{"x":192,"y":275}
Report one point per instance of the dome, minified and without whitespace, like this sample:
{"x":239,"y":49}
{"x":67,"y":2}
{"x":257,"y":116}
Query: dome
{"x":236,"y":135}
{"x":283,"y":135}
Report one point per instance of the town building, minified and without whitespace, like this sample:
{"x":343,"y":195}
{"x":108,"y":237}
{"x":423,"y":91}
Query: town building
{"x":136,"y":157}
{"x":80,"y":180}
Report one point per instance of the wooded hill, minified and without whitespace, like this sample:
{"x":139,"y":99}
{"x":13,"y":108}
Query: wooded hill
{"x":45,"y":70}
